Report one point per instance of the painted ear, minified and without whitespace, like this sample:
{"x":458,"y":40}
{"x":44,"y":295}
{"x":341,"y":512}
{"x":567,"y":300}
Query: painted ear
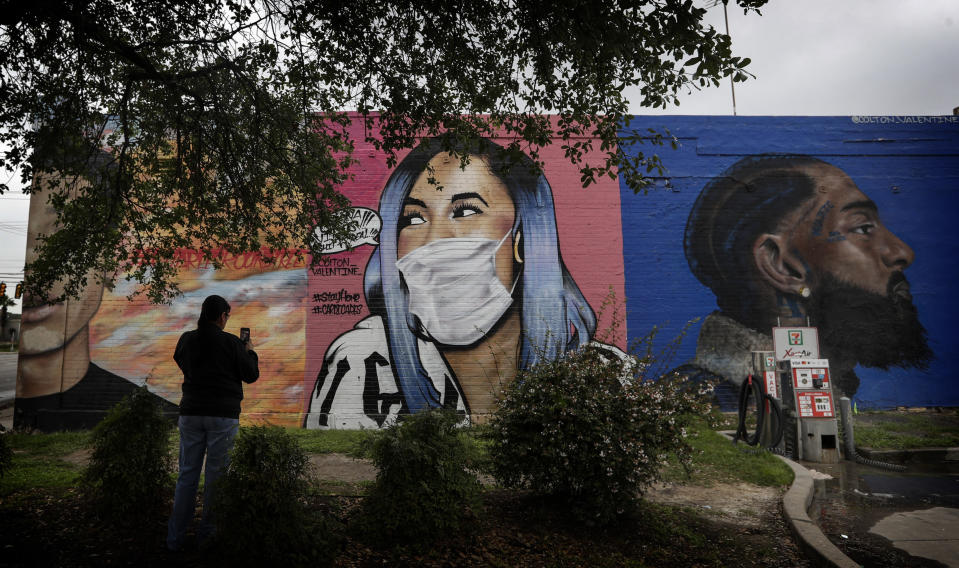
{"x":780,"y":268}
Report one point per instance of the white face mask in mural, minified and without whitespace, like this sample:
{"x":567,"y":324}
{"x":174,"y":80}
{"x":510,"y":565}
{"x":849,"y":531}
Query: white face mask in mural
{"x":454,"y":289}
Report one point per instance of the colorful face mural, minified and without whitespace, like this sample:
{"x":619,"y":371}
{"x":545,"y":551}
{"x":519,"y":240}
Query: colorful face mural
{"x":466,"y":286}
{"x":448,"y":289}
{"x":459,"y":277}
{"x":747,"y":221}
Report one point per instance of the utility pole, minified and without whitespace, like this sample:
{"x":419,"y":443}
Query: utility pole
{"x":732,"y":84}
{"x":3,"y":309}
{"x":713,"y":4}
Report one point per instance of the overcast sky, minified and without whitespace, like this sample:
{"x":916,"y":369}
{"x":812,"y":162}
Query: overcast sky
{"x":810,"y":58}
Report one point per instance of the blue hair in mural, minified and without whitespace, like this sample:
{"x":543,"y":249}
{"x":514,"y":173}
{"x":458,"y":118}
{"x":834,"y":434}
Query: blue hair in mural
{"x":555,"y":316}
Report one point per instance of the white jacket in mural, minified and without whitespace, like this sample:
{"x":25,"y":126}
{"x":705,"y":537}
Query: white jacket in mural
{"x":356,"y":387}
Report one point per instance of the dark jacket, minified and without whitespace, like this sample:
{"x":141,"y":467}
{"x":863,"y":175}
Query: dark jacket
{"x":214,"y":363}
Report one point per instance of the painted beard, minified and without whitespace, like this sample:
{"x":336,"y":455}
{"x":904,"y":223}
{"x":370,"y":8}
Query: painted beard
{"x":872,"y":329}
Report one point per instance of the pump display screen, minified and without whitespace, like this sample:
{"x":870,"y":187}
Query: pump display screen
{"x":815,"y":404}
{"x":810,"y":378}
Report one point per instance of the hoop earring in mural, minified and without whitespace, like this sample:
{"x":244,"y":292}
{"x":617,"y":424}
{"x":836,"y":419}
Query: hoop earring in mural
{"x":516,"y":256}
{"x":454,"y":290}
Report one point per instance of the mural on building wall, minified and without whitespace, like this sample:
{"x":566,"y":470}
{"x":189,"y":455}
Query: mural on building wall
{"x":451,"y":286}
{"x":80,"y":357}
{"x":57,"y":384}
{"x":466,"y":285}
{"x":492,"y":304}
{"x":749,"y":229}
{"x":136,"y":339}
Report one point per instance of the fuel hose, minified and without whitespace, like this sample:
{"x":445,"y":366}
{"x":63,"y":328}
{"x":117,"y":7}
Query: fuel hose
{"x":767,"y":407}
{"x":845,"y":409}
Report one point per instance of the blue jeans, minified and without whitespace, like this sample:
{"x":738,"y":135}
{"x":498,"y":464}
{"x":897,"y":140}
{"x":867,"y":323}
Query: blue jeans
{"x":199,"y":435}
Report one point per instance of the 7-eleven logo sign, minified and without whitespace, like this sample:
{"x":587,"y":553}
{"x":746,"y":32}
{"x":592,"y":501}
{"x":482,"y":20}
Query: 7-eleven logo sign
{"x":795,"y":337}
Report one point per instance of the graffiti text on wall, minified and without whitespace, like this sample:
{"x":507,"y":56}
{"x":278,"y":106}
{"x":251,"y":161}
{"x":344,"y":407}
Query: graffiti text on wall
{"x":264,"y":258}
{"x":336,"y":267}
{"x":337,"y":303}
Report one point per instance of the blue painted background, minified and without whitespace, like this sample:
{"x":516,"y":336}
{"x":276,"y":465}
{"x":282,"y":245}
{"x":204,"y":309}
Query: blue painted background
{"x":908,"y":165}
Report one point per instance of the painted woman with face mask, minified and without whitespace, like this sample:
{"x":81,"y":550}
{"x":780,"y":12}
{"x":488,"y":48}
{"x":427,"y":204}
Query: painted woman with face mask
{"x":466,"y":287}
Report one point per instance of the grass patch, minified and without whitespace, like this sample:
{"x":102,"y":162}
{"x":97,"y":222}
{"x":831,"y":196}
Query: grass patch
{"x":38,"y":458}
{"x":329,"y":441}
{"x":899,"y":431}
{"x":718,"y":460}
{"x":350,"y":442}
{"x":38,"y":461}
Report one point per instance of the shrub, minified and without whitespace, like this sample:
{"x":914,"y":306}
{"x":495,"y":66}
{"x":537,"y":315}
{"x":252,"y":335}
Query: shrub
{"x":129,"y":474}
{"x":590,"y":430}
{"x":6,"y":455}
{"x":425,"y":488}
{"x":261,"y":510}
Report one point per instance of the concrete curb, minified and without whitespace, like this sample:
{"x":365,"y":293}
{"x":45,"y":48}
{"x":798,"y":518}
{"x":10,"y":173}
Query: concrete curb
{"x":819,"y":549}
{"x":814,"y":543}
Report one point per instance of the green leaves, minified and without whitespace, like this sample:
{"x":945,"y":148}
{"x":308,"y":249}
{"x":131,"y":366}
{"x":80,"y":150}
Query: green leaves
{"x":6,"y":455}
{"x":261,"y":511}
{"x":590,"y":430}
{"x":425,"y":486}
{"x":130,"y":466}
{"x":223,"y":122}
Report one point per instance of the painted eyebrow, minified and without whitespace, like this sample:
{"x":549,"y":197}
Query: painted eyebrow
{"x":861,"y":204}
{"x":414,"y":201}
{"x":469,"y":195}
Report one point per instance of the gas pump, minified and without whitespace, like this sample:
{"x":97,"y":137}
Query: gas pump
{"x":811,"y":431}
{"x":796,"y":411}
{"x":764,"y":370}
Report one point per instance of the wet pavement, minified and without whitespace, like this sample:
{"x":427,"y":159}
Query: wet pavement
{"x":913,"y":514}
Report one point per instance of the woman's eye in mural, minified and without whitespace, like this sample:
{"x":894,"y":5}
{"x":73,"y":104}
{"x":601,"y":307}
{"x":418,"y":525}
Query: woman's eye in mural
{"x":411,"y":218}
{"x":864,"y":229}
{"x":466,"y":209}
{"x":467,"y":204}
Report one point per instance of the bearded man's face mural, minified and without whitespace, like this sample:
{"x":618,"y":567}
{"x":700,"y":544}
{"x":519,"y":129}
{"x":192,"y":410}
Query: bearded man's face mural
{"x":813,"y":246}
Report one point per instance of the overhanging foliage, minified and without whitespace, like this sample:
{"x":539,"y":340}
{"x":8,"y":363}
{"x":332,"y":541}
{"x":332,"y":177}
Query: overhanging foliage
{"x":208,"y":124}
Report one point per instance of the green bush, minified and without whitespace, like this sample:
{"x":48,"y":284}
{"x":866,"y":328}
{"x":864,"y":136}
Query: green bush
{"x":591,"y":431}
{"x":129,"y":474}
{"x":425,"y":487}
{"x":261,"y":509}
{"x":6,"y":455}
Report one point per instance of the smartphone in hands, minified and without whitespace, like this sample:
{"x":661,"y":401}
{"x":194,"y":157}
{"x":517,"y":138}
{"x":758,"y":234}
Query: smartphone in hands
{"x":245,"y":334}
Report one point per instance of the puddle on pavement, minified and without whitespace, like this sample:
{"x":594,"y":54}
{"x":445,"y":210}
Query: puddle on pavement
{"x":859,"y":496}
{"x":869,"y":493}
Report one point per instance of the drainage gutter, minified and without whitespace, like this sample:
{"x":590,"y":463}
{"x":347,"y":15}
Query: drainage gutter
{"x":814,"y":543}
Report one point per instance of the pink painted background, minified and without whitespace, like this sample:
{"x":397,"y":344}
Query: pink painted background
{"x":590,"y":233}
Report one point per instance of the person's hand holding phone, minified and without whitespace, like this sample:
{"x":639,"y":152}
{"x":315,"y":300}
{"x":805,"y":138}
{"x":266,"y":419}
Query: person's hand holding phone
{"x":245,"y":337}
